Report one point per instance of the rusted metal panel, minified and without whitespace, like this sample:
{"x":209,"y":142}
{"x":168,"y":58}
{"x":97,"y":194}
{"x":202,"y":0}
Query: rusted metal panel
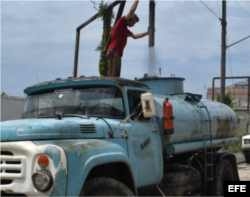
{"x":223,"y":127}
{"x":84,"y":155}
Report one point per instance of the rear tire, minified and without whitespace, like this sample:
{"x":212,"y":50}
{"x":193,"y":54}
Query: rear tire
{"x":105,"y":187}
{"x":226,"y":173}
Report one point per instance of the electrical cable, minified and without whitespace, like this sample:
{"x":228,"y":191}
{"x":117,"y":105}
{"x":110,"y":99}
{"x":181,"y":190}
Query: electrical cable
{"x":210,"y":10}
{"x":247,"y":2}
{"x":242,"y":8}
{"x":219,"y":10}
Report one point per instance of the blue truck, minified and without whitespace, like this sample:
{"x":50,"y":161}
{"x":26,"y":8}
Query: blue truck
{"x":107,"y":136}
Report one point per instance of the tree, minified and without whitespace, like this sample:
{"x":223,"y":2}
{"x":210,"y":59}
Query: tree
{"x":4,"y":94}
{"x":107,"y":16}
{"x":228,"y":99}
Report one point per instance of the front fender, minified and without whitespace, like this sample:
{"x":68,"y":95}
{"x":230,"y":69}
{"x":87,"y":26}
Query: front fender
{"x":84,"y":155}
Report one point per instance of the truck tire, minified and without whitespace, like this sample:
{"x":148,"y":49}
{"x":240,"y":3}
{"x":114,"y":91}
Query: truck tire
{"x":104,"y":186}
{"x":247,"y":156}
{"x":225,"y":173}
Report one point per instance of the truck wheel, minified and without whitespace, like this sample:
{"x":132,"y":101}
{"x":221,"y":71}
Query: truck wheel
{"x":225,"y":173}
{"x":247,"y":157}
{"x":105,"y":187}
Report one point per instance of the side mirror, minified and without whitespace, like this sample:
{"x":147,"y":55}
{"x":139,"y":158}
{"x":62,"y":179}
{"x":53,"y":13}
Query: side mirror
{"x":148,"y":107}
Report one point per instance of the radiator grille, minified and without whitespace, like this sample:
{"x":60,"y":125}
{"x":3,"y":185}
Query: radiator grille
{"x":88,"y":128}
{"x":11,"y":167}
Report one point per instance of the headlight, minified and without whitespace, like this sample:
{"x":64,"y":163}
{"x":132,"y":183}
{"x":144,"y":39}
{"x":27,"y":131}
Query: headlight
{"x":42,"y":180}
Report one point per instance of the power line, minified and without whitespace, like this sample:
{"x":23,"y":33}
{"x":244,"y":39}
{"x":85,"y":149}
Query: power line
{"x":242,"y":8}
{"x":210,"y":10}
{"x":218,"y":8}
{"x":247,"y":2}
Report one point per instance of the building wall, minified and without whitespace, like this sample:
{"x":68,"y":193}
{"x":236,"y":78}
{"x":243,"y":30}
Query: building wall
{"x":11,"y":108}
{"x":238,"y":95}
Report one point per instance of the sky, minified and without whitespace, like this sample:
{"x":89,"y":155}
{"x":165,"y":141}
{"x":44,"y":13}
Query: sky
{"x":38,"y":42}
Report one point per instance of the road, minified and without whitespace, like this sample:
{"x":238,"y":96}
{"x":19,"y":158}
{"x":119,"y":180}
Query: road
{"x":244,"y":171}
{"x":243,"y":168}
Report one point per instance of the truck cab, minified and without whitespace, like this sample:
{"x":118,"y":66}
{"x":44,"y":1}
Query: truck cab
{"x":76,"y":130}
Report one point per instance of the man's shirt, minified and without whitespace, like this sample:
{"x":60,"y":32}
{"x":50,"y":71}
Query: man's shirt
{"x":119,"y":36}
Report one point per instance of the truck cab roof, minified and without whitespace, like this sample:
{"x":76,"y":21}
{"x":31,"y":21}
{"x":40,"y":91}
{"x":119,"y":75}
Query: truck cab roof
{"x":80,"y":81}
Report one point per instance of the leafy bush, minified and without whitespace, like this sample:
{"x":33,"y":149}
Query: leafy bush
{"x":235,"y":148}
{"x":228,"y":99}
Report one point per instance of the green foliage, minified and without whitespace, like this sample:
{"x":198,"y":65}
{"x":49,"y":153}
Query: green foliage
{"x":107,"y":16}
{"x":98,"y":6}
{"x":228,"y":99}
{"x":4,"y":94}
{"x":103,"y":65}
{"x":235,"y":148}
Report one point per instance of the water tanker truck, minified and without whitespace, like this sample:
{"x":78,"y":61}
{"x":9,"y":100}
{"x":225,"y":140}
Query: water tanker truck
{"x":92,"y":136}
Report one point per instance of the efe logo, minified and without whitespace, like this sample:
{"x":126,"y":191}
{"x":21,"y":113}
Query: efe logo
{"x":237,"y":187}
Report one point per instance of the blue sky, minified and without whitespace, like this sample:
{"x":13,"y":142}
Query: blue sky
{"x":38,"y":42}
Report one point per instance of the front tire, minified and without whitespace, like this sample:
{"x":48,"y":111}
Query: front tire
{"x":226,"y":173}
{"x":104,"y":186}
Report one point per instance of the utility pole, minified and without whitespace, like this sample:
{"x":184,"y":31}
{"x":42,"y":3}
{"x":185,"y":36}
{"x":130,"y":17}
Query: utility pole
{"x":151,"y":37}
{"x":223,"y":51}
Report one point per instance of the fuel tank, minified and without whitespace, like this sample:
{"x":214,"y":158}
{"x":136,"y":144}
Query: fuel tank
{"x":195,"y":120}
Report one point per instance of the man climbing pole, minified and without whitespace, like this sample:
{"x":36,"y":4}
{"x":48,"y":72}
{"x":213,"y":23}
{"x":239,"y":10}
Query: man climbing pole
{"x":119,"y":40}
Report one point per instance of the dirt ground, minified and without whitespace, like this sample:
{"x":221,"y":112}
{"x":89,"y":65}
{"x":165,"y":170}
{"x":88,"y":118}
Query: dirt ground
{"x":244,"y":171}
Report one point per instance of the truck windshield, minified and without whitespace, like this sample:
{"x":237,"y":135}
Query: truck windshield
{"x":90,"y":101}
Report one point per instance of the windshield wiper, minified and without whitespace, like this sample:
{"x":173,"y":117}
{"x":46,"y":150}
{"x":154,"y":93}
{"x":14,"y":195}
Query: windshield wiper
{"x":60,"y":116}
{"x":76,"y":115}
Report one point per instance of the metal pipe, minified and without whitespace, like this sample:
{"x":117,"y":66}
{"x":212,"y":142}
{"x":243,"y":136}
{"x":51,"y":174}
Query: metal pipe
{"x":238,"y":41}
{"x":248,"y":94}
{"x":241,"y":77}
{"x":78,"y":42}
{"x":78,"y":29}
{"x":151,"y":37}
{"x":248,"y":97}
{"x":213,"y":89}
{"x":194,"y":146}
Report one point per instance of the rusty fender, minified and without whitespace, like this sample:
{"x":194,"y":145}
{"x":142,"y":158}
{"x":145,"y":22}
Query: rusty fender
{"x":84,"y":155}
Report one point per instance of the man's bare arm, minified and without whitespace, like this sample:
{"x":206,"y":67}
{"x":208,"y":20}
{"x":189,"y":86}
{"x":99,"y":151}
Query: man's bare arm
{"x":136,"y":36}
{"x":132,"y":9}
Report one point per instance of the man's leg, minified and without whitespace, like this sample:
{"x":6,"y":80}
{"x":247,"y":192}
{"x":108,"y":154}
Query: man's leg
{"x":114,"y":63}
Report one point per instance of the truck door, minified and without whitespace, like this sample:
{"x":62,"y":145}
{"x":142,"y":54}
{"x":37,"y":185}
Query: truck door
{"x":144,"y":143}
